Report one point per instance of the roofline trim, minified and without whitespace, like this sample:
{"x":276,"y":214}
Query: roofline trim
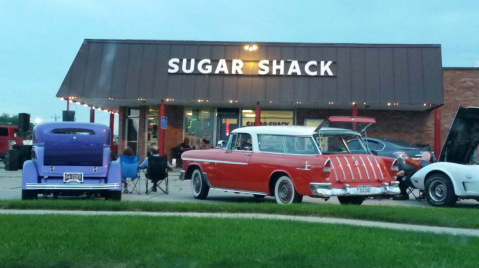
{"x":241,"y":43}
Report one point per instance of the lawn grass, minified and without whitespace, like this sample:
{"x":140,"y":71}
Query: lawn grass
{"x":142,"y":241}
{"x":445,"y":217}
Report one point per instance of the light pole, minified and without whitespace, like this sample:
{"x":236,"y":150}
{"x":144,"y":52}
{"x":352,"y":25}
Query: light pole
{"x":55,"y":117}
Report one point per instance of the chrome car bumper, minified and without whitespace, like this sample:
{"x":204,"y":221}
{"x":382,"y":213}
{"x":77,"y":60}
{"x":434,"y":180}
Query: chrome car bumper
{"x":326,"y":190}
{"x":71,"y":186}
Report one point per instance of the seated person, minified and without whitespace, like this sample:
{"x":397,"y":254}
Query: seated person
{"x":155,"y":152}
{"x":128,"y":152}
{"x":247,"y":146}
{"x":417,"y":164}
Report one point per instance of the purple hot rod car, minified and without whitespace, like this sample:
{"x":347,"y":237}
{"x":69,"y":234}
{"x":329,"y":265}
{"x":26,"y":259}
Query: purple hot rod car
{"x":71,"y":159}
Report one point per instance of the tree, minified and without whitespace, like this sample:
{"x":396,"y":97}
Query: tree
{"x":7,"y":119}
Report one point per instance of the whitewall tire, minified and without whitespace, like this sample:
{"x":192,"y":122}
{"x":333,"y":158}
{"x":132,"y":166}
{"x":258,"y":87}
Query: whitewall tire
{"x":199,"y":187}
{"x":285,"y":193}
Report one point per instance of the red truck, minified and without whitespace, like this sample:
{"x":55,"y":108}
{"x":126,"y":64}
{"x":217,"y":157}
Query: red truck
{"x":9,"y":135}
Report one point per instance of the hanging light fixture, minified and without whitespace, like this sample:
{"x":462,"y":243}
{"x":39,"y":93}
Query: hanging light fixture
{"x":251,"y":47}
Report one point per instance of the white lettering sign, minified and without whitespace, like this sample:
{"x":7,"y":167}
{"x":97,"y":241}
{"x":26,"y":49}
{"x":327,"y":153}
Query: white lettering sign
{"x":173,"y":63}
{"x":265,"y":67}
{"x":207,"y":69}
{"x":222,"y":67}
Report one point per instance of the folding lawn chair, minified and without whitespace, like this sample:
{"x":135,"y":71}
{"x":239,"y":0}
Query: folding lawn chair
{"x":129,"y":173}
{"x":157,"y":172}
{"x":418,"y":196}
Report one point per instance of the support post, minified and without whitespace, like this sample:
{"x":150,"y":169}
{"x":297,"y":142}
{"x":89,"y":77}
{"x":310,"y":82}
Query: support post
{"x":437,"y":133}
{"x":68,"y":104}
{"x":112,"y":126}
{"x":161,"y":132}
{"x":355,"y":114}
{"x":92,"y":115}
{"x":257,"y":115}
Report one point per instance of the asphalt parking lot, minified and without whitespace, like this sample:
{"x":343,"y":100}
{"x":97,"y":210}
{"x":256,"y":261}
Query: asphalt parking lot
{"x":180,"y":191}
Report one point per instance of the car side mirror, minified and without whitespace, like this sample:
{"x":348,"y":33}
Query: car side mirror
{"x":374,"y":152}
{"x":221,"y":144}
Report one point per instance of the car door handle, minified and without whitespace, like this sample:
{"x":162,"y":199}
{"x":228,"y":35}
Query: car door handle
{"x":247,"y":154}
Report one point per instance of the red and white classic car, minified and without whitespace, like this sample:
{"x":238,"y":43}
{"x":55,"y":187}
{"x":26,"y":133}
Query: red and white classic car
{"x":289,"y":162}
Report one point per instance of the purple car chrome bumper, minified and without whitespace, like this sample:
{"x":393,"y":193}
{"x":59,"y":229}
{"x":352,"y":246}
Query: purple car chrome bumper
{"x":72,"y":186}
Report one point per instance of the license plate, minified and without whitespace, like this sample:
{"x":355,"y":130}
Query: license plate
{"x":364,"y":189}
{"x":78,"y":177}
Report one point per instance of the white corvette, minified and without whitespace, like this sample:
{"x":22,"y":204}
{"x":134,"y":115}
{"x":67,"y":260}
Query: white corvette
{"x":453,"y":177}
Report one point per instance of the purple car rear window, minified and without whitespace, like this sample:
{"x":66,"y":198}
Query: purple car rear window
{"x":74,"y":131}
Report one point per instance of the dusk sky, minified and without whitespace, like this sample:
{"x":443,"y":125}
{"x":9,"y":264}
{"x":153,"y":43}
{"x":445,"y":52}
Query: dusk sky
{"x":40,"y":39}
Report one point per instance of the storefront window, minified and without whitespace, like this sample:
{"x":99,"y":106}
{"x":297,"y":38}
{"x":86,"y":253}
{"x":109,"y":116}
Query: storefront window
{"x":227,"y":121}
{"x":198,"y":125}
{"x":132,"y":131}
{"x":153,"y":111}
{"x":268,"y":118}
{"x":133,"y":112}
{"x":151,"y":131}
{"x":132,"y":128}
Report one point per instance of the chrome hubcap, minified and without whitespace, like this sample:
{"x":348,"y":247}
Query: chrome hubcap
{"x":438,"y":191}
{"x":196,"y":183}
{"x":285,"y":191}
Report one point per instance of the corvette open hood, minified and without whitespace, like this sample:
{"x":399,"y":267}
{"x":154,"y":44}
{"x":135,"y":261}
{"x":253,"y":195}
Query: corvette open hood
{"x":463,"y":137}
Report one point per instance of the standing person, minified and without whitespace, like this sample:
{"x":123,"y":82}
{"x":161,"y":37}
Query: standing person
{"x":205,"y":144}
{"x":417,"y":164}
{"x":185,"y":146}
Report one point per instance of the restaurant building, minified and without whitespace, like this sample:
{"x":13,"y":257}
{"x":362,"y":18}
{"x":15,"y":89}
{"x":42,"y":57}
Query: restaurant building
{"x":210,"y":88}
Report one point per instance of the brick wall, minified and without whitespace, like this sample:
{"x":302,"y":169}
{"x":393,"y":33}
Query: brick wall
{"x":461,"y":87}
{"x":121,"y":129}
{"x":414,"y":127}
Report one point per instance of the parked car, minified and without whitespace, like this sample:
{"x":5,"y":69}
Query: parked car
{"x":289,"y":162}
{"x":71,"y":159}
{"x":8,"y":137}
{"x":453,"y":177}
{"x":388,"y":146}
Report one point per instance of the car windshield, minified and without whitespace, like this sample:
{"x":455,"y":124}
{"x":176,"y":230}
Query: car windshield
{"x":341,"y":144}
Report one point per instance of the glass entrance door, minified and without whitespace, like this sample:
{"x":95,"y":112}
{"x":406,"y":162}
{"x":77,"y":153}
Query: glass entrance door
{"x":228,"y":119}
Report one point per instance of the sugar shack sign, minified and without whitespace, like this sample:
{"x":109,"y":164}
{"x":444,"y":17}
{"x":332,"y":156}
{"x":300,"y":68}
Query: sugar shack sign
{"x":264,"y":67}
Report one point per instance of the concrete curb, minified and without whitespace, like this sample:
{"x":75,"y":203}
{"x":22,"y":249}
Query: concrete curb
{"x":385,"y":225}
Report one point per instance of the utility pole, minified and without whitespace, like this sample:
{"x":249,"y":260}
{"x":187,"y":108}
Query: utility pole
{"x":55,"y":117}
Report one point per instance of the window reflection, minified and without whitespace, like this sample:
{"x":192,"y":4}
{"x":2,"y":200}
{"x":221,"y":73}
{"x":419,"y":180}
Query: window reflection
{"x":198,"y":125}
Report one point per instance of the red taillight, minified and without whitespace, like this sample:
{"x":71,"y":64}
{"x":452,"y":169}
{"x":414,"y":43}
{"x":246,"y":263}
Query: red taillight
{"x":327,"y":166}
